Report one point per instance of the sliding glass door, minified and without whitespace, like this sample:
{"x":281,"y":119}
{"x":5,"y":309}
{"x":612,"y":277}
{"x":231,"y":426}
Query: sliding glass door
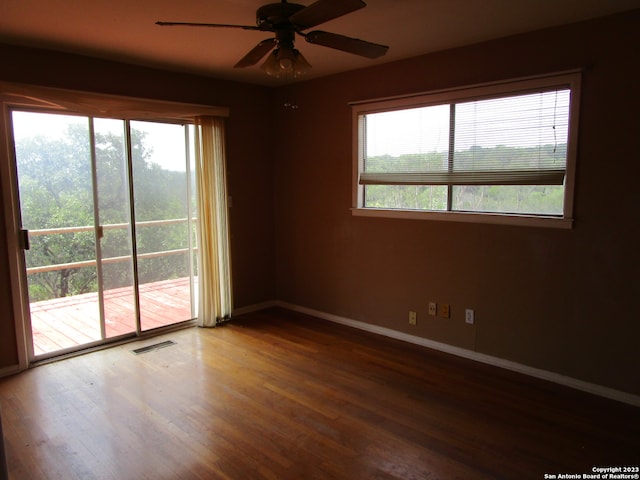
{"x":106,"y":207}
{"x":163,"y":199}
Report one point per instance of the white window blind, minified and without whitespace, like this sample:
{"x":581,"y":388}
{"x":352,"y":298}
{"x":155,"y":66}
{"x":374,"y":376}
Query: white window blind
{"x":513,"y":140}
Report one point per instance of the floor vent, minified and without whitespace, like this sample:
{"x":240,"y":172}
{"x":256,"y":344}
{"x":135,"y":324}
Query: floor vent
{"x":155,"y":346}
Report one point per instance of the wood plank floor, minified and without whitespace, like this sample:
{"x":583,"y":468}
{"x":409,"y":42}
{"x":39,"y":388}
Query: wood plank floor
{"x":71,"y":321}
{"x":280,"y":395}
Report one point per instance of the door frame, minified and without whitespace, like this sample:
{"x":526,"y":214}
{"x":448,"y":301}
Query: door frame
{"x":21,"y":96}
{"x":13,"y":225}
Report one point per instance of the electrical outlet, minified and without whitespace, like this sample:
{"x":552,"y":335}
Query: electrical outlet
{"x":433,"y":307}
{"x":413,"y":318}
{"x":444,"y":310}
{"x":469,"y":316}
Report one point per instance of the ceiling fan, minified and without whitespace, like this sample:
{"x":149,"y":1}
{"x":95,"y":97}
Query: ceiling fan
{"x":288,"y":19}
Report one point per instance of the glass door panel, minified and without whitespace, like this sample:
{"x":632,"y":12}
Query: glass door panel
{"x":53,"y":160}
{"x":114,"y":218}
{"x":162,"y":214}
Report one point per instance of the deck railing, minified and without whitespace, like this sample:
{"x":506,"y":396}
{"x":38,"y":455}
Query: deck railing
{"x":101,"y":228}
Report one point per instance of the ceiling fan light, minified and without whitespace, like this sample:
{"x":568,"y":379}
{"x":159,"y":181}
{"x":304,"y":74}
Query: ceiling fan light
{"x":300,"y":64}
{"x":271,"y":65}
{"x":285,"y":61}
{"x":286,"y":64}
{"x":286,"y":57}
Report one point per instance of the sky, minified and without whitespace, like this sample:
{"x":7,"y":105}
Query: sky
{"x":167,"y":139}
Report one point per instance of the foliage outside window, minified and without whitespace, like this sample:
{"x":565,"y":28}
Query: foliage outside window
{"x":55,"y":181}
{"x":492,"y":153}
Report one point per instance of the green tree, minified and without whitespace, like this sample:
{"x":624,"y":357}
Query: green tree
{"x":55,"y":181}
{"x":539,"y":199}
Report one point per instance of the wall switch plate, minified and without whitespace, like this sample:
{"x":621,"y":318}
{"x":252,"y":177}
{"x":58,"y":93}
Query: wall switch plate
{"x":433,"y":307}
{"x":469,"y":316}
{"x":445,"y":310}
{"x":413,"y":318}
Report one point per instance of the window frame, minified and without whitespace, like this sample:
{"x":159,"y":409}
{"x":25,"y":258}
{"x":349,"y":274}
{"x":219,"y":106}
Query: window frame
{"x":568,"y":79}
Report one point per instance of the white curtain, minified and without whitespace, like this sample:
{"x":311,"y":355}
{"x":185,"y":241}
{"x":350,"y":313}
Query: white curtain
{"x":214,"y":268}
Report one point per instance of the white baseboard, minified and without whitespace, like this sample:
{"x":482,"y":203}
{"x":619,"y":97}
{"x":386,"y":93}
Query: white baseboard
{"x":588,"y":387}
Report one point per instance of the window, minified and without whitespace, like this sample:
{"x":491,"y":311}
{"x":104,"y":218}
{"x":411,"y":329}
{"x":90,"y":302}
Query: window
{"x":500,"y":153}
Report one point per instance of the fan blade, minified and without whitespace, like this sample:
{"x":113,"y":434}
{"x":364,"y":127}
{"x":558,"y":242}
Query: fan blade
{"x":323,"y":11}
{"x":213,"y":25}
{"x":256,"y":53}
{"x":346,"y":44}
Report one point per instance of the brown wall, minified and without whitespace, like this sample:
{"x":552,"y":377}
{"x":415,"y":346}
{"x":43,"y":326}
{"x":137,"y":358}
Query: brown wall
{"x":566,"y":301}
{"x":249,"y":159}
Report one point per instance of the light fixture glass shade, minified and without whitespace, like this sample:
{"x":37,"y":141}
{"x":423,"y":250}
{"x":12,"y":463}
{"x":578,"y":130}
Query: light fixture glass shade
{"x":270,"y":65}
{"x":285,"y":61}
{"x":300,"y":64}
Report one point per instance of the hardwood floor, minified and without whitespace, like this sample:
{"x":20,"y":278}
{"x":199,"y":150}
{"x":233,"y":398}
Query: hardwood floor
{"x":279,"y":395}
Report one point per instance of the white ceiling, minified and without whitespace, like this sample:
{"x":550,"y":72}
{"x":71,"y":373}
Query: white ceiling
{"x":125,"y":30}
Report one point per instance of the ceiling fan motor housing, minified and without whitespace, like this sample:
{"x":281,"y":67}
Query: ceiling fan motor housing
{"x":276,"y":15}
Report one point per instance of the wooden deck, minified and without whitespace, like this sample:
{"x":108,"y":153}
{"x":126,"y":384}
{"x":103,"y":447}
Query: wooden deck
{"x":72,"y":321}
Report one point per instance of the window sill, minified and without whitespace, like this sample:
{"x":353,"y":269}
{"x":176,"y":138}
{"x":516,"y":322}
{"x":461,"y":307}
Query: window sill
{"x":467,"y":217}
